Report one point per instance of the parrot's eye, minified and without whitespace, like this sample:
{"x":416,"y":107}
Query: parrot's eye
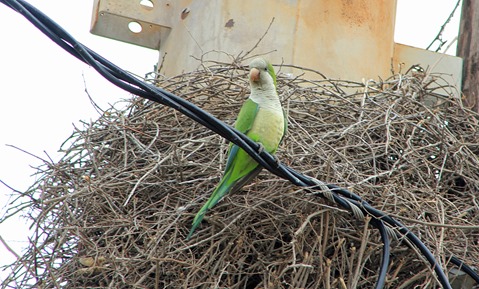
{"x":266,"y":69}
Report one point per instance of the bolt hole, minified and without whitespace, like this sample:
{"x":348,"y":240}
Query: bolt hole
{"x":147,"y":4}
{"x":135,"y":27}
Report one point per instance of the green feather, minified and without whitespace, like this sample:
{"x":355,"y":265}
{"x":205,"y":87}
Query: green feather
{"x":244,"y":122}
{"x":271,"y":72}
{"x":240,"y":167}
{"x":216,"y":196}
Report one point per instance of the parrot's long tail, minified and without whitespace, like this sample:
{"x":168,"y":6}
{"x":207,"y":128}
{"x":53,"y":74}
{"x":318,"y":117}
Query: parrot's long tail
{"x":226,"y":185}
{"x":222,"y":189}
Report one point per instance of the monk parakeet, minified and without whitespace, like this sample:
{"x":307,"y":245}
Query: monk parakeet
{"x":262,"y":119}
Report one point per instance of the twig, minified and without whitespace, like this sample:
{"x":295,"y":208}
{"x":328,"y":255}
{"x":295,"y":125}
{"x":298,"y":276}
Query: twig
{"x":441,"y":30}
{"x":257,"y":43}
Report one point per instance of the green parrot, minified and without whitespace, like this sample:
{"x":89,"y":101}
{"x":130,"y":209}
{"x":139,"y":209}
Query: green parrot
{"x":263,"y":120}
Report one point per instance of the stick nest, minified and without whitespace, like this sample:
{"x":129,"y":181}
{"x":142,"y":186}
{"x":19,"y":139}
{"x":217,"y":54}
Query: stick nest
{"x":397,"y":143}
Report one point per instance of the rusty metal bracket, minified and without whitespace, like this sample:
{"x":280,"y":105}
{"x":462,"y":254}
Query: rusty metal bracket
{"x":145,"y":23}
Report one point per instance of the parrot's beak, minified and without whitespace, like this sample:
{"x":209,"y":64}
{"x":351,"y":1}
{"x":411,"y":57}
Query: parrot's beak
{"x":254,"y":74}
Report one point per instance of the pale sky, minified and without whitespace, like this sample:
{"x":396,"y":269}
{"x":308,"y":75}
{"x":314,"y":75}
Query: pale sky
{"x":42,"y":86}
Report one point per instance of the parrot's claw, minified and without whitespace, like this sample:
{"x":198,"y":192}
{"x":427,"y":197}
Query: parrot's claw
{"x":261,"y":148}
{"x":276,"y":159}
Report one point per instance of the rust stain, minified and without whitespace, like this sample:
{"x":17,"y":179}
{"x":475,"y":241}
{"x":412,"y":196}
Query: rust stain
{"x":311,"y":13}
{"x":230,"y":23}
{"x":356,"y":13}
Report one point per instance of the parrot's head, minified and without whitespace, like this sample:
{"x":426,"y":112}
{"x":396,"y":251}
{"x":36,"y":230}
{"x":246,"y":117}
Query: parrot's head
{"x":261,"y":74}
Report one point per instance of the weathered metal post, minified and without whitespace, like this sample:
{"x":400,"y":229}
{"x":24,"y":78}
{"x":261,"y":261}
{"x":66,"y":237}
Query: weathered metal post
{"x":468,"y":49}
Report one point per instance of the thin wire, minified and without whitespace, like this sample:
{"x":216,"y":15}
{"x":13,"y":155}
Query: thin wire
{"x":126,"y":81}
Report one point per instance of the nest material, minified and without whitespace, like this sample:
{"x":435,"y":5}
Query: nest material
{"x":379,"y":139}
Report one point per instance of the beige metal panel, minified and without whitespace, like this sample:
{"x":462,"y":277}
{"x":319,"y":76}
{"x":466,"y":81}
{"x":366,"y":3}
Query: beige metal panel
{"x":446,"y":69}
{"x":342,"y":39}
{"x":111,"y":18}
{"x":346,"y":39}
{"x":219,"y":30}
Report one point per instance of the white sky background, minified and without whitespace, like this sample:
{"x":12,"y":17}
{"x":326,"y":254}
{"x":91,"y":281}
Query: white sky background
{"x":42,"y":87}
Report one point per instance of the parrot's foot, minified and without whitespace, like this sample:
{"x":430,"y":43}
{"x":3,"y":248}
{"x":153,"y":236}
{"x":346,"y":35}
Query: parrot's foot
{"x":276,"y":159}
{"x":261,"y":147}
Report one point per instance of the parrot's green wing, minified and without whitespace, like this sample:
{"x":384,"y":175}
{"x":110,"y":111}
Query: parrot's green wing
{"x":243,"y":123}
{"x":246,"y":116}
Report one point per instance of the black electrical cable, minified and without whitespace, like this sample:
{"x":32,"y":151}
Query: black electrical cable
{"x":127,"y":82}
{"x":383,"y":268}
{"x":468,"y":270}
